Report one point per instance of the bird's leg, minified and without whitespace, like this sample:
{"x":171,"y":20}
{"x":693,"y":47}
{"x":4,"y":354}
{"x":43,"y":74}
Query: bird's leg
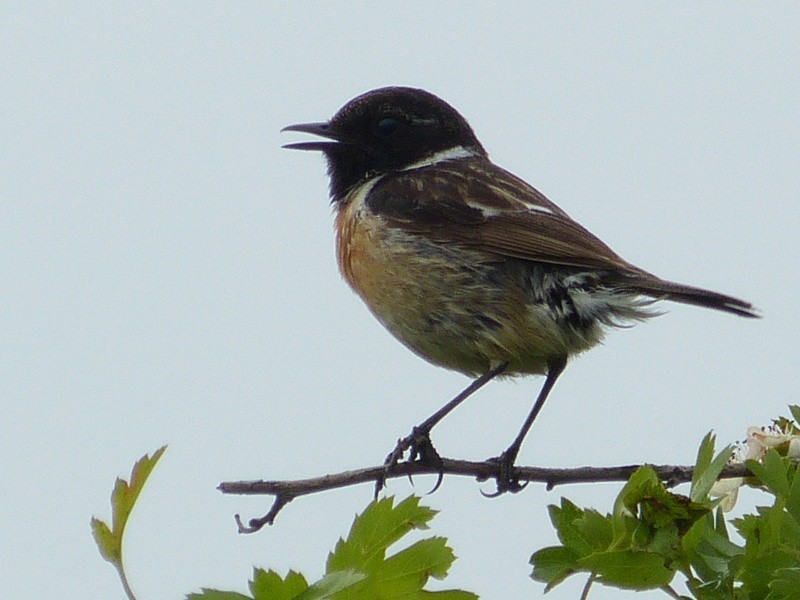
{"x":418,"y":442}
{"x":506,"y":481}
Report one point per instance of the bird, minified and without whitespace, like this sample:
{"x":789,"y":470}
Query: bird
{"x":466,"y":264}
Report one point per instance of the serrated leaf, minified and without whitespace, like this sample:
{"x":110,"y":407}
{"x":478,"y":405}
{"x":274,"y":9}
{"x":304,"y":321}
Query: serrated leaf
{"x":712,"y":591}
{"x":552,"y":565}
{"x":268,"y":585}
{"x":123,"y":499}
{"x":125,"y":494}
{"x":628,"y":569}
{"x":746,"y":525}
{"x":596,"y":529}
{"x":647,"y":516}
{"x":765,"y":548}
{"x":331,"y":584}
{"x":720,"y":525}
{"x":565,"y":519}
{"x":210,"y":594}
{"x":771,"y":472}
{"x":710,"y":552}
{"x":705,"y":454}
{"x":106,"y":542}
{"x":374,"y":530}
{"x":721,"y":544}
{"x":638,"y":486}
{"x":793,"y":499}
{"x":785,"y":585}
{"x":403,"y":574}
{"x":795,"y":410}
{"x":566,"y":513}
{"x":447,"y":595}
{"x":399,"y":577}
{"x":431,"y":557}
{"x":707,"y":471}
{"x":759,"y":572}
{"x":771,"y":526}
{"x":777,"y":472}
{"x":664,"y":540}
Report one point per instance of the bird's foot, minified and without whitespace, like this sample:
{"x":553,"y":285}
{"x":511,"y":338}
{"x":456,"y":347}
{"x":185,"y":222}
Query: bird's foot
{"x":506,"y":479}
{"x":420,"y":451}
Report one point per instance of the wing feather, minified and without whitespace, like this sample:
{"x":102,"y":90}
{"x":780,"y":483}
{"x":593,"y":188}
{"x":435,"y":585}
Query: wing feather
{"x":477,"y":204}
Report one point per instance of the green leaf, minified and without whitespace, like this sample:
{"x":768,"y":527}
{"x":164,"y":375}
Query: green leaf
{"x":770,"y":526}
{"x":209,"y":594}
{"x":705,"y":454}
{"x":567,"y":520}
{"x":664,"y":541}
{"x":771,"y":472}
{"x":707,"y":471}
{"x":760,"y":572}
{"x":268,"y":585}
{"x":639,"y":485}
{"x":710,"y":552}
{"x":552,"y":565}
{"x":372,"y":532}
{"x":795,"y":410}
{"x":793,"y":499}
{"x":645,"y":507}
{"x":596,"y":530}
{"x":430,"y":557}
{"x":447,"y":595}
{"x":331,"y":584}
{"x":719,"y":524}
{"x":628,"y":569}
{"x":777,"y":472}
{"x":402,"y":575}
{"x":785,"y":585}
{"x":106,"y":541}
{"x":123,"y":499}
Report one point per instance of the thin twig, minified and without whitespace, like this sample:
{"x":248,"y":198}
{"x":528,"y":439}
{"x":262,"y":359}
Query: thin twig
{"x":124,"y":579}
{"x":587,"y":587}
{"x":287,"y":490}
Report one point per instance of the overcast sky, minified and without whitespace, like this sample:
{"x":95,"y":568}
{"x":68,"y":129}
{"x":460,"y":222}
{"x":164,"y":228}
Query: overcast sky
{"x":168,"y":273}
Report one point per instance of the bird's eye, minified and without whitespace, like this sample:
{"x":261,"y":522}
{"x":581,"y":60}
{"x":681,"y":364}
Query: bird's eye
{"x":387,"y":126}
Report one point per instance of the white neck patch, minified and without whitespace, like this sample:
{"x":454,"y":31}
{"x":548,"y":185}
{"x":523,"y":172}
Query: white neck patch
{"x":453,"y":153}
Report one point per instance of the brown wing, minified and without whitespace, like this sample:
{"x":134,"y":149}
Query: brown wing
{"x":478,"y":204}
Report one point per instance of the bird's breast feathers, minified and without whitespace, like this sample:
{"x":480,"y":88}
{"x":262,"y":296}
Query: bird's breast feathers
{"x":404,"y":246}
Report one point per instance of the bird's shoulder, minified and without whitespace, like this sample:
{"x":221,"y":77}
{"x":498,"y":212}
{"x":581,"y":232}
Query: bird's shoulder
{"x":476,"y":203}
{"x":467,"y":191}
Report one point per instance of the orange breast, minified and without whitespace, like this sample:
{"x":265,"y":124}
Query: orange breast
{"x":449,"y":304}
{"x":358,"y":249}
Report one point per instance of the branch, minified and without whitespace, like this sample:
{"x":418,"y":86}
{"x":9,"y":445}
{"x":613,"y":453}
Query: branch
{"x":286,"y":491}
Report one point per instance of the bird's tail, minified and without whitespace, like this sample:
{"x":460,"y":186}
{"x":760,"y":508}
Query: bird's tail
{"x":667,"y":290}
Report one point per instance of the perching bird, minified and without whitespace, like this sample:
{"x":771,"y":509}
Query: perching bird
{"x":466,"y":264}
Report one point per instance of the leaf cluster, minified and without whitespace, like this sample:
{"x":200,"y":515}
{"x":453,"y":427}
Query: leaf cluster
{"x":359,"y":566}
{"x":654,"y":535}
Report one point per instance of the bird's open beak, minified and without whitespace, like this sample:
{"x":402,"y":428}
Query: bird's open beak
{"x":320,"y":129}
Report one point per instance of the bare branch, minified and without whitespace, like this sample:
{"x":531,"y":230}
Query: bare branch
{"x":286,"y":491}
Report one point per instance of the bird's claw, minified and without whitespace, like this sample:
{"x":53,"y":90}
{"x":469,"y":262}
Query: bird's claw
{"x":507,"y":481}
{"x":420,"y":451}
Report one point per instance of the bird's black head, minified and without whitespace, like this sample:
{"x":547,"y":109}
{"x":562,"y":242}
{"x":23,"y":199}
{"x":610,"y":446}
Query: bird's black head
{"x":386,"y":130}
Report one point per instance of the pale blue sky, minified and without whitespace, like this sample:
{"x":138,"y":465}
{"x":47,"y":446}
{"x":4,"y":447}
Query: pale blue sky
{"x":168,"y":270}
